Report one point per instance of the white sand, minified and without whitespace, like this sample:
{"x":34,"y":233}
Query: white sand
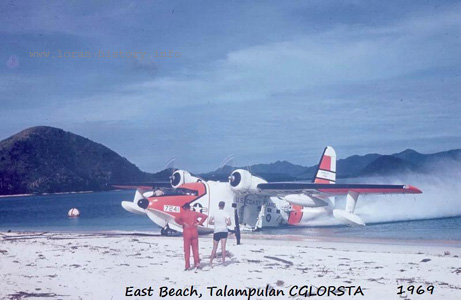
{"x":101,"y":266}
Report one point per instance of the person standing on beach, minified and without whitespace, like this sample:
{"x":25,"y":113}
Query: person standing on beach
{"x":189,"y":220}
{"x":220,"y":220}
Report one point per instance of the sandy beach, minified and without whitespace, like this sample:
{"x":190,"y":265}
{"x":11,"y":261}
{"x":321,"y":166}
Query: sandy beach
{"x":114,"y":265}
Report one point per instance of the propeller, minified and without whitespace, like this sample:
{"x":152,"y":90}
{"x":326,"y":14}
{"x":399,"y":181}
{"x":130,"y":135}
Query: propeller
{"x":170,"y":163}
{"x":175,"y":178}
{"x":235,"y":179}
{"x":228,"y":161}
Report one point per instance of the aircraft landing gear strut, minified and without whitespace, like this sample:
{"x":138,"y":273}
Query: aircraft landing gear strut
{"x":167,"y":231}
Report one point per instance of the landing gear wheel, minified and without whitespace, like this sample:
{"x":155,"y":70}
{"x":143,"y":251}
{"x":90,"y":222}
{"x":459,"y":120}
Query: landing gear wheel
{"x":167,"y":231}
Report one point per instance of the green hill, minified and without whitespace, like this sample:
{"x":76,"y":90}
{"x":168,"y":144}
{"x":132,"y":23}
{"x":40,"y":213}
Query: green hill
{"x":46,"y":159}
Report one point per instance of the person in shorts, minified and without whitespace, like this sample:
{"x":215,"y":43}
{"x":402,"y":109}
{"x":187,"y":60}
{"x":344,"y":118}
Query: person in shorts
{"x":220,"y":220}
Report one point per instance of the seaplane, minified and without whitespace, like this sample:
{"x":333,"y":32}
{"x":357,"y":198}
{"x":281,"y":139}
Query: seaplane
{"x":256,"y":203}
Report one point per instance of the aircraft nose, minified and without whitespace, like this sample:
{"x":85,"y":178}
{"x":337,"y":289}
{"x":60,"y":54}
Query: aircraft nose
{"x":143,"y":203}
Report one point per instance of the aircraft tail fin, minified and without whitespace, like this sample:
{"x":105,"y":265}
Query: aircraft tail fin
{"x":326,"y":170}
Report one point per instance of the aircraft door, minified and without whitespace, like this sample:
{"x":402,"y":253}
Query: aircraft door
{"x":248,"y":208}
{"x":270,"y":215}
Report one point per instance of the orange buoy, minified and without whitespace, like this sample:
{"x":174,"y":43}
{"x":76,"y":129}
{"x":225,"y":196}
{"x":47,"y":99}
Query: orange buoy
{"x":73,"y":213}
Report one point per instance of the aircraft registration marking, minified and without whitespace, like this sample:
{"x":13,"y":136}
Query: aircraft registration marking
{"x":171,"y":208}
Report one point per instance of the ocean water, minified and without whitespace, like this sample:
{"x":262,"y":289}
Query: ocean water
{"x":101,"y":211}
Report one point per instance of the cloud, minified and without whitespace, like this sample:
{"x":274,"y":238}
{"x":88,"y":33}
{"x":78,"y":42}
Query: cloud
{"x":262,"y":88}
{"x":77,"y":18}
{"x":343,"y":55}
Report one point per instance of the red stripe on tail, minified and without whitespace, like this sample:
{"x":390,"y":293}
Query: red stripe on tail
{"x":319,"y":180}
{"x":325,"y":164}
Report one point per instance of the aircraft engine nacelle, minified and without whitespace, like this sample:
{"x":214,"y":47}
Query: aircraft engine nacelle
{"x":242,"y":181}
{"x":181,"y":177}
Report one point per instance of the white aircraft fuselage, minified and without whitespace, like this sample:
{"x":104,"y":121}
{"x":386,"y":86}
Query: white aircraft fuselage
{"x":257,"y":203}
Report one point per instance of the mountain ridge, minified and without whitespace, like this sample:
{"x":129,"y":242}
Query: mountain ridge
{"x":369,"y":165}
{"x":45,"y":159}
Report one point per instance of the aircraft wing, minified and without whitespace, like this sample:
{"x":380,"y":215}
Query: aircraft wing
{"x":287,"y":188}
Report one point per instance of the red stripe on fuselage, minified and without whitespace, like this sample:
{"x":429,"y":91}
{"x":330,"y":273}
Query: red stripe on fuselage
{"x":168,"y":203}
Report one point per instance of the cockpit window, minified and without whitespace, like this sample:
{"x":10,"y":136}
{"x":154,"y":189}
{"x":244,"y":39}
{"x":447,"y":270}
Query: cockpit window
{"x":164,"y":192}
{"x":183,"y":191}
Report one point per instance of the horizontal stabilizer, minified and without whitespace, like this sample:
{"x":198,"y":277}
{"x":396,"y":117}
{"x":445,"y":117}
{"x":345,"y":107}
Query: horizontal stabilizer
{"x":347,"y":218}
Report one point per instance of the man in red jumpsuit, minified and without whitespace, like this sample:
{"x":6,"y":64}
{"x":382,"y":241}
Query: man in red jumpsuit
{"x":189,"y":221}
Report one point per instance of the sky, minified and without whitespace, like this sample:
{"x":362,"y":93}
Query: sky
{"x":259,"y":80}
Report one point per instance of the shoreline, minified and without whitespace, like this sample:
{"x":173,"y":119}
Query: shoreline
{"x":16,"y":195}
{"x":102,"y":265}
{"x":244,"y":236}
